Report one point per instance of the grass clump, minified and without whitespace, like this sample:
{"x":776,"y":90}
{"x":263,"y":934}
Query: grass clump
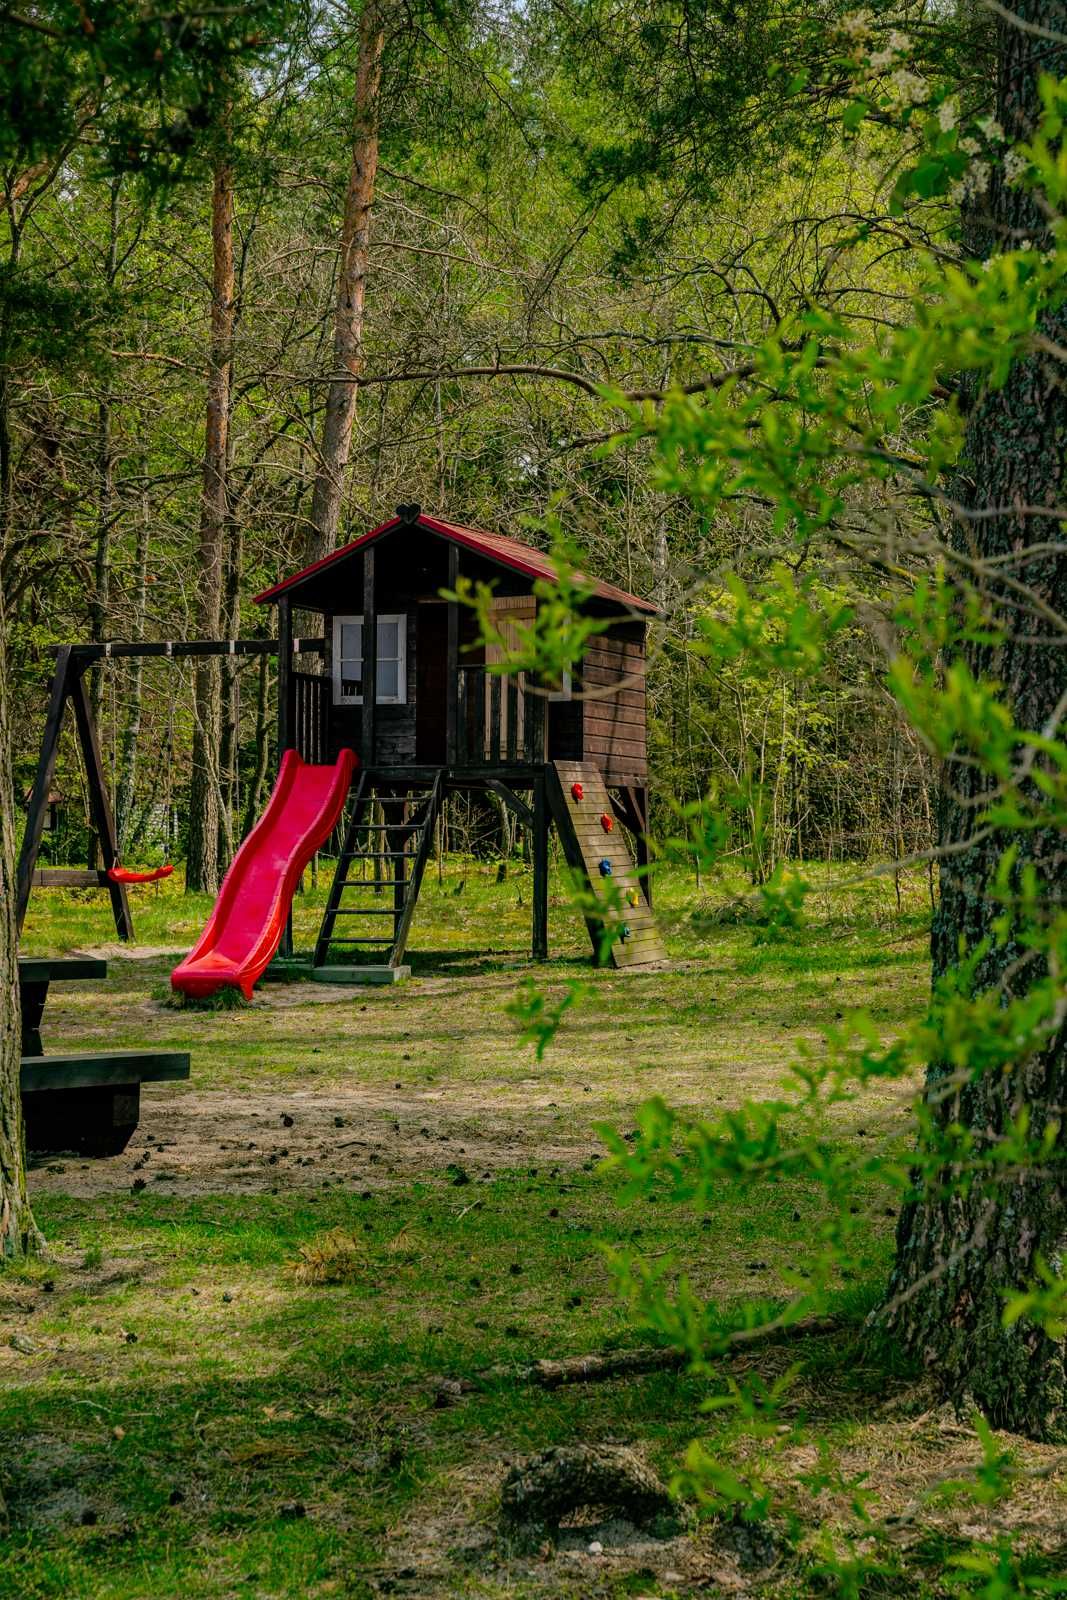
{"x":336,"y":1256}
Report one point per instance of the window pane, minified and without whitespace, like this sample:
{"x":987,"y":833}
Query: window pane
{"x":388,"y":680}
{"x":351,"y":641}
{"x":388,"y":640}
{"x":349,"y":686}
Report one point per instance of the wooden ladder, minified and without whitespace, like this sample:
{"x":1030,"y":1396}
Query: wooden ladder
{"x":395,"y":850}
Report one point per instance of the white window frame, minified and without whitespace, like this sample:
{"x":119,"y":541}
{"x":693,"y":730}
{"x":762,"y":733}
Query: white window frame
{"x":341,"y":699}
{"x":565,"y":691}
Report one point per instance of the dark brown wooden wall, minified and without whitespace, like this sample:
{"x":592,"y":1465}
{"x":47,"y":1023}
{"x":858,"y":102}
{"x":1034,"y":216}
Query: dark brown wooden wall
{"x":613,"y":704}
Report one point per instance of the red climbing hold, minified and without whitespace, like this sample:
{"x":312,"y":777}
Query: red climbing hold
{"x":606,"y":822}
{"x":577,"y":791}
{"x":125,"y":875}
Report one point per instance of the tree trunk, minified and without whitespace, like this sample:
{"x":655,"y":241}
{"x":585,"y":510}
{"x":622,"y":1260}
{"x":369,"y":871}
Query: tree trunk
{"x":202,"y":869}
{"x":351,"y":291}
{"x":18,"y":1235}
{"x":958,"y":1251}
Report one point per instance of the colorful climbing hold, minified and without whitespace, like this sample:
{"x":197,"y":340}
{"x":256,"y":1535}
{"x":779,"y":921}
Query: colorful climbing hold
{"x":624,"y":932}
{"x":632,"y":897}
{"x":577,"y":792}
{"x":605,"y":868}
{"x":606,"y":822}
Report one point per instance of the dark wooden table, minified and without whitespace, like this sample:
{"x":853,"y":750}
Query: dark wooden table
{"x":35,"y":974}
{"x":89,"y":1102}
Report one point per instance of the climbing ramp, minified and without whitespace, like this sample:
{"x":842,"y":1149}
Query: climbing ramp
{"x":582,"y":810}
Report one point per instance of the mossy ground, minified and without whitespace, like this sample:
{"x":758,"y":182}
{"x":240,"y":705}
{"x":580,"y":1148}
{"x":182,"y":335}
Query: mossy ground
{"x":184,"y":1414}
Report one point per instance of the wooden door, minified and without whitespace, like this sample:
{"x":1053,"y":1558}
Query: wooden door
{"x":431,"y":682}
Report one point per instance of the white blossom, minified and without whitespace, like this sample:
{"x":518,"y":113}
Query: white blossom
{"x":857,"y":25}
{"x":900,"y":43}
{"x":1015,"y":164}
{"x":947,"y":113}
{"x":970,"y":146}
{"x":881,"y":58}
{"x":991,"y":128}
{"x":911,"y":88}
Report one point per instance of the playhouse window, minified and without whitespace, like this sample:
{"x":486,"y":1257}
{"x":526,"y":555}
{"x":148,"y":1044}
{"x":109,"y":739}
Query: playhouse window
{"x":562,"y":689}
{"x":348,"y":660}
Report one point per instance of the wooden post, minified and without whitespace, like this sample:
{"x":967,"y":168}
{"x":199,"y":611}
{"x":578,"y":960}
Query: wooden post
{"x":540,"y":869}
{"x":42,"y":783}
{"x":644,"y":876}
{"x":285,"y":723}
{"x":285,"y":675}
{"x":370,"y":657}
{"x":100,"y":804}
{"x":452,"y":663}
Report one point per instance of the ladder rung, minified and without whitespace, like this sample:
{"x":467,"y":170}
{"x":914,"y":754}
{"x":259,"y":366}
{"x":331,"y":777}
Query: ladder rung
{"x":376,"y":855}
{"x":364,"y":940}
{"x":361,"y":911}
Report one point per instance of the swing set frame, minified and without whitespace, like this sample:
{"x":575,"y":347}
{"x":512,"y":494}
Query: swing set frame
{"x":73,"y":661}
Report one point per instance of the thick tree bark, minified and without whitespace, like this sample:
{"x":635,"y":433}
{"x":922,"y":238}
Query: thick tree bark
{"x":18,"y":1235}
{"x":958,"y":1251}
{"x":202,"y":868}
{"x":351,"y":291}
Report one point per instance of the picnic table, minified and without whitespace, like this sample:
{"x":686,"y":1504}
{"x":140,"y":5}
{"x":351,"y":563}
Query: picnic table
{"x":88,"y":1102}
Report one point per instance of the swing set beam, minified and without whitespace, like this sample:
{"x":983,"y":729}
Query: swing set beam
{"x":68,"y":685}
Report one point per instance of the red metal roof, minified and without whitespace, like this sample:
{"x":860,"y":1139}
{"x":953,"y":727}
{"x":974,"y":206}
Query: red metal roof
{"x":524,"y":558}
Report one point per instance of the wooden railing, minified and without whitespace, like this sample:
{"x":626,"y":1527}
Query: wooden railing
{"x":500,"y":722}
{"x":309,"y":717}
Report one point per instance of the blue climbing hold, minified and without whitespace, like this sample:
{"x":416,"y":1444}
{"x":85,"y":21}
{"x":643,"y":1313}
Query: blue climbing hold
{"x":624,"y":932}
{"x":605,"y":868}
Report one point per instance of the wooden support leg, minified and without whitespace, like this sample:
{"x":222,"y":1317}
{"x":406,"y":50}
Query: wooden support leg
{"x":32,"y":997}
{"x":94,"y":1121}
{"x":640,"y":805}
{"x":42,"y":783}
{"x":541,"y":824}
{"x":103,"y":821}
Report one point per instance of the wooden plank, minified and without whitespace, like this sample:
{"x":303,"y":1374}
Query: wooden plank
{"x":602,"y":674}
{"x":480,"y":746}
{"x":609,"y":652}
{"x":511,"y":688}
{"x":70,"y":878}
{"x":42,"y":783}
{"x":495,"y":688}
{"x":600,"y":746}
{"x":585,"y":845}
{"x":53,"y":969}
{"x":111,"y":1066}
{"x":612,"y":714}
{"x":452,"y":662}
{"x":539,"y":852}
{"x":180,"y":649}
{"x":369,"y":682}
{"x":100,"y":804}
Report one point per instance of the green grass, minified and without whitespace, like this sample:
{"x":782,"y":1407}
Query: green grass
{"x":185,"y":1417}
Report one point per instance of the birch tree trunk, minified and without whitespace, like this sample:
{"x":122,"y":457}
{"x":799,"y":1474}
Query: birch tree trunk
{"x":322,"y":537}
{"x":958,"y":1250}
{"x":202,"y":867}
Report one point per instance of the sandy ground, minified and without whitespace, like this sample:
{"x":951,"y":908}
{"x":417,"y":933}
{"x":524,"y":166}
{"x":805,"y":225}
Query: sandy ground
{"x":192,"y":1142}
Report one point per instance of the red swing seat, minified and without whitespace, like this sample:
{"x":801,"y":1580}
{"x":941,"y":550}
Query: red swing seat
{"x":127,"y":875}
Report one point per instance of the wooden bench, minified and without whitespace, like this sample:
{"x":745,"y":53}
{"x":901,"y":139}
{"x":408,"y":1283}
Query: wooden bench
{"x":90,"y":1103}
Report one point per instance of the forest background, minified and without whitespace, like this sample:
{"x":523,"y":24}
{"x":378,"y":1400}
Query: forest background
{"x":624,"y":195}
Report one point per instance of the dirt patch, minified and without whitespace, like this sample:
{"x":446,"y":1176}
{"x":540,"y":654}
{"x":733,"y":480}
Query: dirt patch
{"x":364,"y":1137}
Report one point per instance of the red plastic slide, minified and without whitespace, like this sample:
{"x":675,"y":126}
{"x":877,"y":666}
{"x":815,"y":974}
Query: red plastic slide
{"x":246,"y":925}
